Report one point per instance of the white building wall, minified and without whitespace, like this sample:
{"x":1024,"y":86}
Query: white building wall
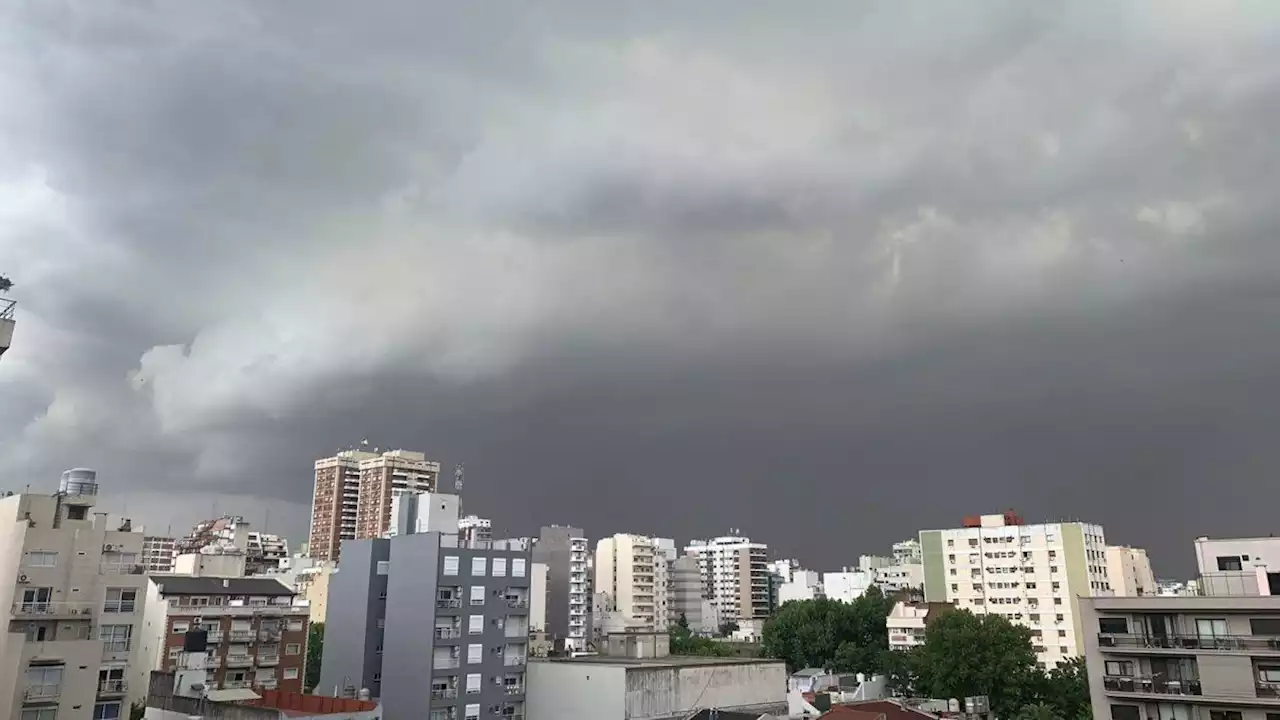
{"x":678,"y":691}
{"x":804,"y":585}
{"x":537,"y":597}
{"x":1253,"y":556}
{"x":899,"y":577}
{"x":847,"y":586}
{"x":575,"y":691}
{"x":906,"y":625}
{"x":1129,"y":570}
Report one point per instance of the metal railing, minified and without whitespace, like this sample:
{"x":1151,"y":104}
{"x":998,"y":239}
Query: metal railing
{"x":444,"y":693}
{"x":444,"y":633}
{"x":123,"y":568}
{"x":42,"y":692}
{"x":239,"y":661}
{"x":7,"y":308}
{"x":1178,"y":641}
{"x":514,"y":689}
{"x":49,"y":608}
{"x":119,"y":606}
{"x":271,"y":659}
{"x":235,"y":684}
{"x":241,"y":635}
{"x":113,"y":687}
{"x":268,"y":684}
{"x":454,"y":603}
{"x":1150,"y":685}
{"x":268,"y":635}
{"x":517,"y":603}
{"x":214,"y":638}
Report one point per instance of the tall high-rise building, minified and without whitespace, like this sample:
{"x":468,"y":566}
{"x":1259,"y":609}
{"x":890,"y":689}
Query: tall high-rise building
{"x":735,"y":576}
{"x":565,"y":552}
{"x":430,"y":623}
{"x":1030,"y":574}
{"x":353,"y":493}
{"x":157,"y":553}
{"x":74,"y":598}
{"x":633,"y":573}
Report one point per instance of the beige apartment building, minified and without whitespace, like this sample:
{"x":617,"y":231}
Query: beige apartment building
{"x":353,"y":493}
{"x":1129,"y":572}
{"x":632,"y":572}
{"x":735,"y":577}
{"x":74,"y":605}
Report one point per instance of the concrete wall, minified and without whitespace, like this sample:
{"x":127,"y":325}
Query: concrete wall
{"x":537,"y":597}
{"x":654,"y":693}
{"x":576,"y":691}
{"x":352,"y":635}
{"x":553,"y":551}
{"x":411,"y":614}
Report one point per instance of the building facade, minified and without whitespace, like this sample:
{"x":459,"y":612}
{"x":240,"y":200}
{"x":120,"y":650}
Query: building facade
{"x":1238,"y":566}
{"x":1030,"y":574}
{"x":74,"y":604}
{"x":848,"y":585}
{"x":231,"y":535}
{"x":257,"y":634}
{"x":632,"y":572}
{"x":1129,"y":572}
{"x":474,"y":528}
{"x":384,"y":477}
{"x":908,"y":621}
{"x":735,"y":576}
{"x":1183,"y":658}
{"x":804,"y":585}
{"x":686,"y":595}
{"x":566,"y":553}
{"x":335,"y":502}
{"x":158,"y":552}
{"x":460,"y":617}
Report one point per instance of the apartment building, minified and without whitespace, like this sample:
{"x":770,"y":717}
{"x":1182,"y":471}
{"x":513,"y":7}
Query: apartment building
{"x":804,"y":585}
{"x":335,"y":502}
{"x":735,"y":576}
{"x":1213,"y":657}
{"x":257,"y":634}
{"x":8,"y":309}
{"x":73,"y":604}
{"x":157,"y":553}
{"x":907,"y":622}
{"x":633,"y":573}
{"x":473,"y":527}
{"x":385,"y":477}
{"x":1238,"y":566}
{"x":1030,"y":574}
{"x":686,"y":595}
{"x":460,"y":614}
{"x":566,"y":553}
{"x":232,"y":534}
{"x":1129,"y":572}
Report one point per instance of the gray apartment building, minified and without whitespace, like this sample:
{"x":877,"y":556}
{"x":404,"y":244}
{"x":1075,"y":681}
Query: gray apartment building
{"x":565,"y":552}
{"x":433,"y":626}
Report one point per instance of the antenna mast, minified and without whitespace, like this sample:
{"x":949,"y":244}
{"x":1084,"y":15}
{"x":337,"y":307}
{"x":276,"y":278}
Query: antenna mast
{"x":458,"y":472}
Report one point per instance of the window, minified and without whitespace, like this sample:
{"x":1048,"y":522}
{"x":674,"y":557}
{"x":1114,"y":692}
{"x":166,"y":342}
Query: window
{"x":115,"y":638}
{"x":1114,"y":626}
{"x":180,"y":627}
{"x":1229,"y":563}
{"x":450,"y":564}
{"x":477,"y":566}
{"x":44,"y":682}
{"x":473,"y":683}
{"x":472,"y":712}
{"x":1057,"y":601}
{"x":291,"y":673}
{"x":1224,"y":715}
{"x":42,"y":559}
{"x":48,"y":713}
{"x":953,"y":571}
{"x":951,"y":542}
{"x":1062,"y":649}
{"x":973,"y":542}
{"x":384,"y":567}
{"x":377,"y":677}
{"x":1058,"y":617}
{"x":475,"y":654}
{"x":1031,"y":586}
{"x":477,"y":594}
{"x":1211,"y":627}
{"x":1269,"y":673}
{"x":1034,"y":617}
{"x":295,"y":626}
{"x":475,"y":624}
{"x":1123,"y":668}
{"x":1125,"y":712}
{"x":1057,"y":586}
{"x":121,"y":600}
{"x":382,"y":623}
{"x":1062,"y":633}
{"x":1264,"y":626}
{"x":106,"y":711}
{"x":955,"y":588}
{"x":499,"y":567}
{"x":293,"y":649}
{"x":517,"y":567}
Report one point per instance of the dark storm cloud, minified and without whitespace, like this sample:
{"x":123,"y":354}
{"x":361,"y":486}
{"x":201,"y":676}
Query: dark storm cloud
{"x":829,"y":277}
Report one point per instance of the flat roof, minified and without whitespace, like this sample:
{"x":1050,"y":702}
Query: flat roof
{"x":189,"y":585}
{"x":1187,"y":603}
{"x":669,"y":661}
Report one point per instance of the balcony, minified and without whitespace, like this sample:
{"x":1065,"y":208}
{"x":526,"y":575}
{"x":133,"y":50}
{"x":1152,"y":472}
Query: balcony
{"x":1181,"y":643}
{"x":271,"y":684}
{"x":446,"y":663}
{"x":242,"y":636}
{"x":268,"y":636}
{"x":122,"y":568}
{"x":270,"y":660}
{"x":1147,"y":685}
{"x":239,"y":661}
{"x":448,"y":633}
{"x":113,"y":687}
{"x":517,"y":603}
{"x":53,"y":610}
{"x":514,"y":689}
{"x":215,"y":638}
{"x":444,"y":693}
{"x":41,"y":693}
{"x":449,"y":603}
{"x":235,"y":685}
{"x":514,"y":661}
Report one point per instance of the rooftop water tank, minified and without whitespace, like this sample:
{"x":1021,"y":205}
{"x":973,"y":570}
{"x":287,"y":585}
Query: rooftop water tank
{"x":79,"y":481}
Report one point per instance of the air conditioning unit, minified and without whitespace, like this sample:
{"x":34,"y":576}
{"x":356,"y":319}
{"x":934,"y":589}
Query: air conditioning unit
{"x":22,"y":578}
{"x":197,"y":621}
{"x":108,"y":548}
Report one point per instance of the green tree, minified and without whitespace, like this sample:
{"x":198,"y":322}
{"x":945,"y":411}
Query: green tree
{"x":683,"y":623}
{"x":966,"y":655}
{"x":1066,"y":689}
{"x":5,"y":284}
{"x":684,"y":642}
{"x":849,"y":637}
{"x":315,"y":651}
{"x":902,"y":671}
{"x":727,"y":628}
{"x":1039,"y":711}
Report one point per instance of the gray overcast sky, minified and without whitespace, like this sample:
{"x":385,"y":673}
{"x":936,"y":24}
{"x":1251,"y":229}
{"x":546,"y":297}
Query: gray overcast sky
{"x":831,"y":273}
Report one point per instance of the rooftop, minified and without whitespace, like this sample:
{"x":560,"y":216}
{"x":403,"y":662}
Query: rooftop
{"x":1186,"y":603}
{"x":670,"y":661}
{"x":188,"y":585}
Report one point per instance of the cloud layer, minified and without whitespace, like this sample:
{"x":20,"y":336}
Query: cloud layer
{"x":738,"y":265}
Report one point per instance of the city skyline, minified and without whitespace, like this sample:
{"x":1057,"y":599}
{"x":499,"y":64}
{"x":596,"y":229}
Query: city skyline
{"x":746,"y":267}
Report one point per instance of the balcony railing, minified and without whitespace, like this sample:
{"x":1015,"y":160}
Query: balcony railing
{"x":513,"y":661}
{"x":37,"y":693}
{"x":268,"y":660}
{"x":239,"y":661}
{"x":267,"y":684}
{"x":444,"y":693}
{"x":235,"y":684}
{"x":514,"y":689}
{"x":452,"y":603}
{"x":268,"y":635}
{"x":113,"y":687}
{"x":215,"y":638}
{"x":1191,"y":642}
{"x":52,"y":609}
{"x":517,"y":603}
{"x":122,"y":568}
{"x":242,"y":635}
{"x":446,"y":663}
{"x":1150,"y":685}
{"x":445,"y":633}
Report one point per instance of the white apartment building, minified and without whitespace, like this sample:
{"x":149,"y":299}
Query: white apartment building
{"x":848,"y":585}
{"x":804,"y":585}
{"x":907,"y":622}
{"x":1129,"y":570}
{"x":1030,"y":574}
{"x":157,"y":553}
{"x":782,"y":570}
{"x":893,"y":578}
{"x":907,"y":552}
{"x":735,"y":574}
{"x":474,"y":528}
{"x":632,"y":572}
{"x":74,"y":605}
{"x":231,"y":534}
{"x":1238,"y":566}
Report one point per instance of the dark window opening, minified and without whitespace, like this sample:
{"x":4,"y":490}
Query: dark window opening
{"x":1264,"y":626}
{"x":1125,"y":712}
{"x":1229,"y":563}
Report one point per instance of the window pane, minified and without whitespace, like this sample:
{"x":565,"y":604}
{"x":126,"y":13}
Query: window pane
{"x":477,"y":566}
{"x":1264,"y":626}
{"x":1125,"y":712}
{"x":1118,"y":626}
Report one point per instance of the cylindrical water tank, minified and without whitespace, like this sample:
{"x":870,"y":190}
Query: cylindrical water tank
{"x":79,"y":481}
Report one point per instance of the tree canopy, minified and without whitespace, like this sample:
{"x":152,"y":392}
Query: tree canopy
{"x":846,"y":637}
{"x":684,"y":642}
{"x":315,"y":651}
